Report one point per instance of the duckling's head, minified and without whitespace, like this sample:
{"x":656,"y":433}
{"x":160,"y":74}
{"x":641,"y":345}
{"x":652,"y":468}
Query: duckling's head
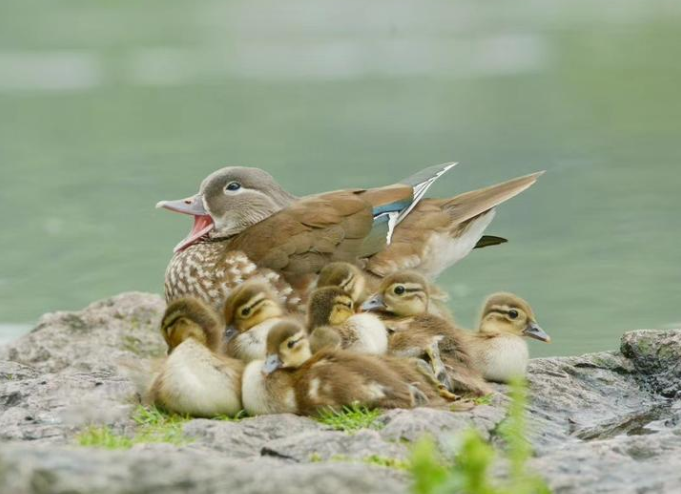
{"x":403,"y":294}
{"x":506,"y":313}
{"x":190,"y":318}
{"x":344,"y":275}
{"x":250,"y":304}
{"x":287,"y":347}
{"x":229,"y":201}
{"x":329,"y":306}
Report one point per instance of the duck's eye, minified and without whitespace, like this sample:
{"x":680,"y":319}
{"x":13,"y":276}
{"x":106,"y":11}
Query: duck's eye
{"x":513,"y":314}
{"x":291,"y":344}
{"x":233,"y":186}
{"x":245,"y":311}
{"x":399,"y":290}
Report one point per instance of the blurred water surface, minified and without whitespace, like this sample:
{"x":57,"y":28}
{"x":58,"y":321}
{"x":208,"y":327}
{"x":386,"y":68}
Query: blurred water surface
{"x":107,"y":107}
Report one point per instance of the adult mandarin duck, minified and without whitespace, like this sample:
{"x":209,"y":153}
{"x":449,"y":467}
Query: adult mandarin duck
{"x":247,"y":226}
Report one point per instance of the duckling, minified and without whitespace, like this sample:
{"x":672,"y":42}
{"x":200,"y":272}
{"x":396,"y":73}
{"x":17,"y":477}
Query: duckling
{"x":250,"y":311}
{"x":359,"y":285}
{"x":333,"y":324}
{"x":193,"y":379}
{"x":404,"y":299}
{"x":292,"y":380}
{"x":347,"y":277}
{"x":498,"y":349}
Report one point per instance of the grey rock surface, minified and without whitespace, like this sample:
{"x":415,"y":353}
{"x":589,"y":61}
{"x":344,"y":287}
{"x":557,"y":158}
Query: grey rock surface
{"x":606,"y":422}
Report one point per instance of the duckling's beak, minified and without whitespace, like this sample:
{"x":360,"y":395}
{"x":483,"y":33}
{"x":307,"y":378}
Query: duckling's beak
{"x":374,"y":303}
{"x":230,"y":333}
{"x":272,"y":363}
{"x":534,"y":331}
{"x":192,"y":206}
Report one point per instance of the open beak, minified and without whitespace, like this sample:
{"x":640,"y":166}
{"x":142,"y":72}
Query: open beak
{"x":534,"y":331}
{"x":192,"y":206}
{"x":374,"y":303}
{"x":230,"y":333}
{"x":272,"y":363}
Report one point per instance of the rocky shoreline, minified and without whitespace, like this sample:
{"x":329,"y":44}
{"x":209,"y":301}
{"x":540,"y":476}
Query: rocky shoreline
{"x":607,"y":422}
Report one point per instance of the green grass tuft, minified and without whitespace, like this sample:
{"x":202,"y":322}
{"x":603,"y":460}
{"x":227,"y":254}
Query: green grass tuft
{"x":470,"y":472}
{"x":375,"y":460}
{"x":153,"y":426}
{"x":351,"y":418}
{"x":103,"y":437}
{"x":387,"y":462}
{"x":483,"y":400}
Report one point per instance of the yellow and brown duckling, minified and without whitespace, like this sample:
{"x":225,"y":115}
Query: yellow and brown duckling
{"x":403,"y":300}
{"x":333,"y":323}
{"x":194,"y":379}
{"x":349,"y":278}
{"x":360,"y":285}
{"x":293,"y":380}
{"x":250,"y":312}
{"x":499,"y":348}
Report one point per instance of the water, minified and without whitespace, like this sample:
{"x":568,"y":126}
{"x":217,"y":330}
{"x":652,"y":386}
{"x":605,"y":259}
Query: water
{"x":107,"y":107}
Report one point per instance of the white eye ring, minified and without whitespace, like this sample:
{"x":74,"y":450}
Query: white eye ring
{"x":233,"y":188}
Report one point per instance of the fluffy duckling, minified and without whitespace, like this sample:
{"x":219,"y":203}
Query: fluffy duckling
{"x":499,"y":349}
{"x":333,"y":324}
{"x":360,"y":285}
{"x":194,"y":379}
{"x":292,"y":380}
{"x":403,"y":300}
{"x":346,"y":276}
{"x":250,"y":312}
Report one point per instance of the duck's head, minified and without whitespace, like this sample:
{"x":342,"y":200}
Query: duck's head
{"x":506,"y":313}
{"x":287,"y":347}
{"x":402,"y":294}
{"x":229,"y":201}
{"x":344,"y":275}
{"x":329,"y":306}
{"x":248,"y":305}
{"x":190,"y":318}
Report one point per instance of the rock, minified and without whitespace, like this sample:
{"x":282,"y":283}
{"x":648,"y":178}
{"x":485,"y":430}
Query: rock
{"x":657,"y":357}
{"x":248,"y":437}
{"x":335,"y":445}
{"x":607,"y":422}
{"x":122,"y":328}
{"x":27,"y":469}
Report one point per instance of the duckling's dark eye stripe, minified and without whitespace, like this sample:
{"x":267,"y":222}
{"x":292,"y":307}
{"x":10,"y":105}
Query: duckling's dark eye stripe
{"x":170,"y":321}
{"x":254,"y":304}
{"x":412,"y":290}
{"x":501,"y":311}
{"x":292,"y":343}
{"x":344,"y":284}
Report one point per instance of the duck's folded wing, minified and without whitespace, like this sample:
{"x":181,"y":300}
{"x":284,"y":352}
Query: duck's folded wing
{"x":392,"y":204}
{"x":307,"y":235}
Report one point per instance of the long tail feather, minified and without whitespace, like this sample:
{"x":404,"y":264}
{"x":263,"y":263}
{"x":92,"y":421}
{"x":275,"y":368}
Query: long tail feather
{"x":470,"y":204}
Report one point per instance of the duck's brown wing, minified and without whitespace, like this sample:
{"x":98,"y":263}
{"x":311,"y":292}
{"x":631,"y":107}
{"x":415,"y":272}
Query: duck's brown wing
{"x":303,"y":238}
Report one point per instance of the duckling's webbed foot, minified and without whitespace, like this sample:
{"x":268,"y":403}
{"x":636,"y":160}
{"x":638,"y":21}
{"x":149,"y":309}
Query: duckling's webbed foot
{"x":418,"y":397}
{"x":425,"y":368}
{"x":439,"y":368}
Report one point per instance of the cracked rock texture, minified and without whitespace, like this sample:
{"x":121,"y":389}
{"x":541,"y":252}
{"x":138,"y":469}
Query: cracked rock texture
{"x":606,"y":422}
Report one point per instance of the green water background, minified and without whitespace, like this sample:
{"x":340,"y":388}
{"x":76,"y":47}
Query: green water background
{"x":107,"y":107}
